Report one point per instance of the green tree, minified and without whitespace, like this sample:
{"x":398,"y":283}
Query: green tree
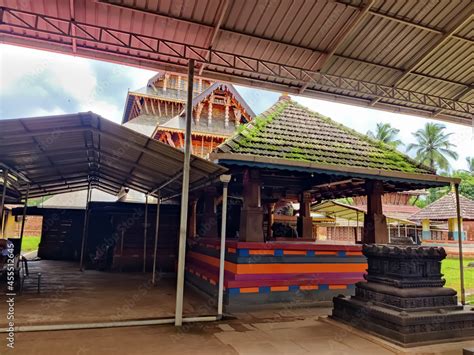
{"x":433,"y":146}
{"x":470,"y":164}
{"x":386,"y":134}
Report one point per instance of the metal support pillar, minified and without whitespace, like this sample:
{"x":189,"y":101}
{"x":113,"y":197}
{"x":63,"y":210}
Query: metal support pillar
{"x":84,"y":228}
{"x":184,"y":199}
{"x":155,"y":248}
{"x":23,"y":219}
{"x":220,"y":297}
{"x":461,"y":267}
{"x":145,"y":231}
{"x":2,"y":203}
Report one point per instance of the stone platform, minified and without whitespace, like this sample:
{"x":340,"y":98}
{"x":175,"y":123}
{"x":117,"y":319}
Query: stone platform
{"x":403,"y":299}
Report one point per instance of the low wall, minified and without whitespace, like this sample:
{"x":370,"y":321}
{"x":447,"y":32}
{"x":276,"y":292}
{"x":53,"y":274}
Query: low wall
{"x":266,"y":273}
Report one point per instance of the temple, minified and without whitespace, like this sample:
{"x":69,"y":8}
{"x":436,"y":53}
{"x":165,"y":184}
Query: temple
{"x":157,"y":110}
{"x":442,"y":213}
{"x":290,"y":154}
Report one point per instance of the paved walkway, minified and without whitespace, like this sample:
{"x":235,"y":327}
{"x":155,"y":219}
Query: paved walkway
{"x":255,"y":334}
{"x":69,"y":296}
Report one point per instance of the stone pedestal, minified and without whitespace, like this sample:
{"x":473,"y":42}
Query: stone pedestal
{"x":403,"y":299}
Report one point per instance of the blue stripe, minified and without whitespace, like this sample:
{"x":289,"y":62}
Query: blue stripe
{"x":324,"y":287}
{"x":294,"y":288}
{"x":310,"y":253}
{"x":243,"y":252}
{"x":278,"y":252}
{"x":264,"y":289}
{"x":341,"y":253}
{"x":234,"y":291}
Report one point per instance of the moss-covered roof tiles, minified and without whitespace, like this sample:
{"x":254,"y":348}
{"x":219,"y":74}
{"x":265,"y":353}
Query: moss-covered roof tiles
{"x":291,"y":131}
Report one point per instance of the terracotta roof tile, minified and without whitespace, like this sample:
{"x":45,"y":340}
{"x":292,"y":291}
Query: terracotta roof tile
{"x":445,"y":208}
{"x":291,"y":131}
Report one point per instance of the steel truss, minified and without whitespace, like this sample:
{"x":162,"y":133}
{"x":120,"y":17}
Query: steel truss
{"x":62,"y":31}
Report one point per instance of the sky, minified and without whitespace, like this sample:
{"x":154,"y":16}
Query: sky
{"x":39,"y":83}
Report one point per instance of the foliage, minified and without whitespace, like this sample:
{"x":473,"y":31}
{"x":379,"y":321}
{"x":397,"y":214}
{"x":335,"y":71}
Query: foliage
{"x":466,"y":188}
{"x":450,"y":269}
{"x":433,"y":146}
{"x":30,"y":243}
{"x":386,"y":134}
{"x":470,"y":165}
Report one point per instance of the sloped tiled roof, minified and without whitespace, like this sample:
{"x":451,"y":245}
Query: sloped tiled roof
{"x":293,"y":132}
{"x":445,"y":208}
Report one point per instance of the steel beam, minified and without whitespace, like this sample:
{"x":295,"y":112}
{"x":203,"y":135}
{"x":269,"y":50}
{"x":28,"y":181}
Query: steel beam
{"x":184,"y":199}
{"x":461,"y":262}
{"x":268,"y":74}
{"x":155,"y":247}
{"x":457,"y":23}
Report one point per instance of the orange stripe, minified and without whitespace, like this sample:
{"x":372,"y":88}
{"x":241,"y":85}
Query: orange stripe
{"x":231,"y":250}
{"x":337,"y":287}
{"x":213,"y":282}
{"x":279,"y":288}
{"x":325,"y":253}
{"x":349,"y":253}
{"x":261,"y":252}
{"x":308,"y":287}
{"x":280,"y":268}
{"x":294,"y":252}
{"x":249,"y":290}
{"x":296,"y":268}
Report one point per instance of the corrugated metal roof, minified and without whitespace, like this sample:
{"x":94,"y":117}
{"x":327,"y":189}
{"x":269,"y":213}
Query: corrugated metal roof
{"x":63,"y":153}
{"x":404,"y":56}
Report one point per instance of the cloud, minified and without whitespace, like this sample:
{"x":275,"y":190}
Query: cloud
{"x":35,"y":82}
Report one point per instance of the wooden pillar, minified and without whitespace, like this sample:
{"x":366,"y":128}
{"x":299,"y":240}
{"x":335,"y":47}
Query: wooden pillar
{"x":209,"y":111}
{"x":304,"y":222}
{"x":192,"y":220}
{"x":238,"y":115}
{"x":251,"y":216}
{"x":375,"y":223}
{"x":426,"y":232}
{"x":270,"y":218}
{"x":226,"y":114}
{"x":209,"y":227}
{"x":453,"y":230}
{"x":165,"y":81}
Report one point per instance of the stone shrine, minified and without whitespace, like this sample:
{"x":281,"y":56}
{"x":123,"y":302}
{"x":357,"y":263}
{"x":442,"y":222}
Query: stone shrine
{"x":403,"y":299}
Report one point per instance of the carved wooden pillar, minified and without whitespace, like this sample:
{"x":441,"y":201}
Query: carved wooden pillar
{"x":270,"y":218}
{"x":198,"y":112}
{"x":226,"y":115}
{"x":200,"y":85}
{"x":304,"y":222}
{"x":165,"y":81}
{"x":237,"y":114}
{"x":178,"y":85}
{"x":251,"y":216}
{"x":192,"y":217}
{"x":375,"y":223}
{"x":209,"y":226}
{"x":209,"y":112}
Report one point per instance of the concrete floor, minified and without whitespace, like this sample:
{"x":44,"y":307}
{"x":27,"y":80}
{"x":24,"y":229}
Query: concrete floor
{"x":71,"y":296}
{"x":68,"y":295}
{"x":256,"y":333}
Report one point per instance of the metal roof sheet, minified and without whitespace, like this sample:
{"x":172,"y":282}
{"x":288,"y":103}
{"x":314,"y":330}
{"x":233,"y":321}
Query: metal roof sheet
{"x":408,"y":57}
{"x":62,"y":153}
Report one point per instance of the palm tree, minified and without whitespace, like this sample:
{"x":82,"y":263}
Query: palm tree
{"x":470,"y":164}
{"x":433,"y":146}
{"x":386,"y":134}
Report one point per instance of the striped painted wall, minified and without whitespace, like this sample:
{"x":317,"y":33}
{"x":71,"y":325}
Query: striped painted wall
{"x":257,"y":273}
